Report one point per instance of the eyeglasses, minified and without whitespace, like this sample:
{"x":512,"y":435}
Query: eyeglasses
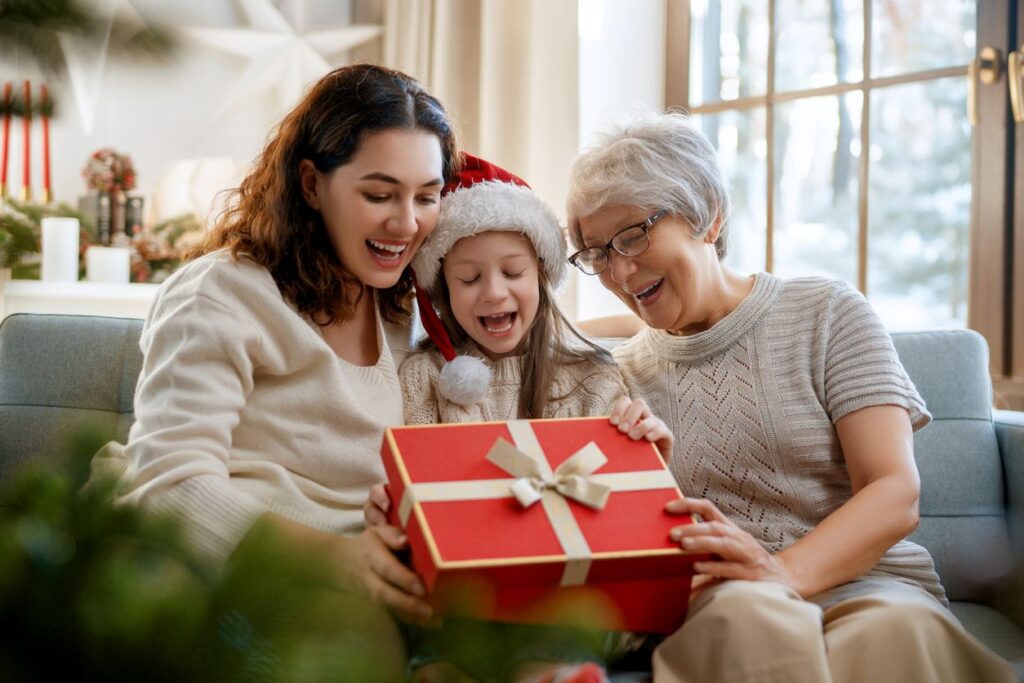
{"x":632,"y":240}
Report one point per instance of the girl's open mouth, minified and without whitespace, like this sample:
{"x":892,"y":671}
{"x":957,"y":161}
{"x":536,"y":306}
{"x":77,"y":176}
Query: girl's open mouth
{"x":498,"y":323}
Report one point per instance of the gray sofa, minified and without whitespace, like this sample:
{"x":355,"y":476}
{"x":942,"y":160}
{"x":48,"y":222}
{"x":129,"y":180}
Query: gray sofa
{"x":57,"y":372}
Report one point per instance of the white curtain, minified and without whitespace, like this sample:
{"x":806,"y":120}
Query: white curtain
{"x":506,"y":70}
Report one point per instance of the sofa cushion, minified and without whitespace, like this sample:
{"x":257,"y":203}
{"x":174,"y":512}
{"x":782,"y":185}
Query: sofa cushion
{"x":59,"y":373}
{"x":1000,"y":634}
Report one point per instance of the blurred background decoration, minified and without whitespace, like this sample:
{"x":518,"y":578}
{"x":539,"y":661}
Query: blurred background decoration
{"x":38,"y":30}
{"x":94,"y":591}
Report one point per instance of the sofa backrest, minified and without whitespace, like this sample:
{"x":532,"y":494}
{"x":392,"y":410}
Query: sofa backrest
{"x":963,"y":521}
{"x":58,"y":374}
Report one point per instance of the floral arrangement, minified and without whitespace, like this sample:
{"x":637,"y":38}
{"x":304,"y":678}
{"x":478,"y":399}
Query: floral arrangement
{"x":109,"y":171}
{"x":158,"y":252}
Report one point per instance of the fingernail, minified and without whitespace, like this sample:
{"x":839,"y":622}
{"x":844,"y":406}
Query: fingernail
{"x":614,"y":419}
{"x":687,"y":542}
{"x":402,"y":538}
{"x":675,"y":534}
{"x":417,"y":590}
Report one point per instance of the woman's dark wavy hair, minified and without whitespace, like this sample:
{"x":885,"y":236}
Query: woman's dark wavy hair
{"x":552,"y":341}
{"x":268,"y":219}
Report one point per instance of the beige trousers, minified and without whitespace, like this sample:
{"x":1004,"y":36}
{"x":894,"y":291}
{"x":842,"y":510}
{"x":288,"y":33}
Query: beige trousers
{"x":866,"y":631}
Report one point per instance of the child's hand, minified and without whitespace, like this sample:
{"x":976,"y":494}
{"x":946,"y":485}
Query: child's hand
{"x":634,"y":418}
{"x":375,"y":510}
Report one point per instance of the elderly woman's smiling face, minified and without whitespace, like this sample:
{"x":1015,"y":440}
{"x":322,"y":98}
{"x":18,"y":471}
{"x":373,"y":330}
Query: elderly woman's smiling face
{"x":674,"y":284}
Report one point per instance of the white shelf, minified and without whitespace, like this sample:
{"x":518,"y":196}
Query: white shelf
{"x":78,"y":298}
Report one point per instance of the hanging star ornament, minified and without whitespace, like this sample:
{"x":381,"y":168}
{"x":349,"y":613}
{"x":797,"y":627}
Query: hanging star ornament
{"x":283,"y":56}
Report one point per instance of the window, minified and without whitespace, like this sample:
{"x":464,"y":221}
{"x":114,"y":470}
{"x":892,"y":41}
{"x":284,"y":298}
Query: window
{"x":842,"y":127}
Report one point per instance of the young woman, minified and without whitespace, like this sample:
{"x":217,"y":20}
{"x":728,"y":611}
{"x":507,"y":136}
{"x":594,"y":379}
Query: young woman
{"x":271,"y":359}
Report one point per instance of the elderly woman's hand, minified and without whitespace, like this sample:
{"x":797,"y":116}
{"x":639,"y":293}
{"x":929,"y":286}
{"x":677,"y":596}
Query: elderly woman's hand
{"x":736,"y":554}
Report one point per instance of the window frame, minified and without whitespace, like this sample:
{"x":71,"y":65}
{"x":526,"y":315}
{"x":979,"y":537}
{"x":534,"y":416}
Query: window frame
{"x":995,"y":299}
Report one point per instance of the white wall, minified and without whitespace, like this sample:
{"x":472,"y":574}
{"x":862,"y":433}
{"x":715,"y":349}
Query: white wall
{"x":158,"y":113}
{"x":622,"y":71}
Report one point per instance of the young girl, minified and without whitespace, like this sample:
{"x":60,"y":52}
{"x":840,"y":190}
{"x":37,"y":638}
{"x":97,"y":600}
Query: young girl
{"x":490,"y":267}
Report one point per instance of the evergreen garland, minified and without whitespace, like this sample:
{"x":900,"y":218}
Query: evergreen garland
{"x":31,"y":28}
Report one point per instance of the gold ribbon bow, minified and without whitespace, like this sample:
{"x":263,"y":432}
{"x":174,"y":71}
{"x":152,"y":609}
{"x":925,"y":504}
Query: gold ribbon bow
{"x":570,"y":479}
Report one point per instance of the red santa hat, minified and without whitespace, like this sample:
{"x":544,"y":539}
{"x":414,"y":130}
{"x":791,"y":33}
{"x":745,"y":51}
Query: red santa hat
{"x":482,"y":198}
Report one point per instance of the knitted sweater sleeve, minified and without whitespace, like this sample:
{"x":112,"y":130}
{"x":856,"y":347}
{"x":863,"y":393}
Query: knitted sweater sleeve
{"x":419,"y":376}
{"x":861,"y":367}
{"x":196,"y":376}
{"x":586,"y":389}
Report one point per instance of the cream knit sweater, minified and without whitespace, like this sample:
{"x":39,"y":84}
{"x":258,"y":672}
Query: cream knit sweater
{"x":752,"y":403}
{"x":242,"y":408}
{"x":579,"y":390}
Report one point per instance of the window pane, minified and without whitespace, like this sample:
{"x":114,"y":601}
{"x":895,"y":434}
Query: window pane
{"x":914,"y":35}
{"x":728,"y":49}
{"x":817,"y":46}
{"x":816,"y":186}
{"x":739,"y":138}
{"x":920,"y":203}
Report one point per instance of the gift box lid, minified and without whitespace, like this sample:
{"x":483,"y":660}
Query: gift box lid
{"x":461,"y":502}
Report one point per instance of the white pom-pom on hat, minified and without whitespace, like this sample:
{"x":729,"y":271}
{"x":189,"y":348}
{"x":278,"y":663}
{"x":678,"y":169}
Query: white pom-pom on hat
{"x":465,"y":380}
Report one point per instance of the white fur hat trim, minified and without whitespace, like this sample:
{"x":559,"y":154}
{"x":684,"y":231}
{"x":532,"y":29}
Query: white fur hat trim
{"x":488,"y":207}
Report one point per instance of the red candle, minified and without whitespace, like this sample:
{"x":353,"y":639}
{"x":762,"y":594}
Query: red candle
{"x":47,"y":194}
{"x":26,"y":187}
{"x":6,"y":139}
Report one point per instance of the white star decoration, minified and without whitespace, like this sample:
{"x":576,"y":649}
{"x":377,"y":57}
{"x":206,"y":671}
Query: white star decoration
{"x":86,"y":58}
{"x":282,"y":55}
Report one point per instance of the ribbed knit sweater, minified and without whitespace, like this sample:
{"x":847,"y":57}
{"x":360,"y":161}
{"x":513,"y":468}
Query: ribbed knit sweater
{"x":243,"y":408}
{"x":753,"y":400}
{"x":582,"y":389}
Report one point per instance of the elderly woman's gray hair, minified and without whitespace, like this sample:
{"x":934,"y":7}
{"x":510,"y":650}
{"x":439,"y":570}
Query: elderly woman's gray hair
{"x":656,"y":161}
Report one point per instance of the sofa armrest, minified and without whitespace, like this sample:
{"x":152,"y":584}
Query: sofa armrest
{"x":1009,"y":426}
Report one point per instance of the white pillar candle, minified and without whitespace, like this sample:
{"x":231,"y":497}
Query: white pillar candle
{"x":60,"y":249}
{"x":107,"y":264}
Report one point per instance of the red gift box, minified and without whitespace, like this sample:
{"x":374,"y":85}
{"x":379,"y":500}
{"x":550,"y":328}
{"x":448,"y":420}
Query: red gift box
{"x":497,"y":529}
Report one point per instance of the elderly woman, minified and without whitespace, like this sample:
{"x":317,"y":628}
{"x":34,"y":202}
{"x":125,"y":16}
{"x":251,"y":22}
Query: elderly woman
{"x":793,"y":423}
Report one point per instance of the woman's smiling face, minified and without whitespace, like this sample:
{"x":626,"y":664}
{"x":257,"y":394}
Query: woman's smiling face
{"x":666,"y":285}
{"x":494,"y":289}
{"x":380,"y":205}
